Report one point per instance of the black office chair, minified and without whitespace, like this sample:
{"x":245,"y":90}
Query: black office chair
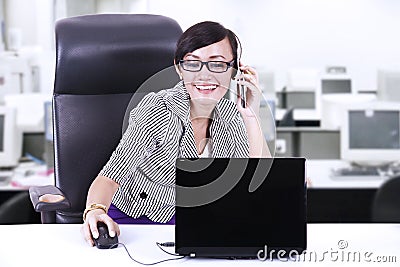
{"x":101,"y":62}
{"x":288,"y":119}
{"x":18,"y":210}
{"x":386,"y":204}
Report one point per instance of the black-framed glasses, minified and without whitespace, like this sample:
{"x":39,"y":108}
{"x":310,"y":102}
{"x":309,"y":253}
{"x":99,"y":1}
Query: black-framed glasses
{"x":213,"y":66}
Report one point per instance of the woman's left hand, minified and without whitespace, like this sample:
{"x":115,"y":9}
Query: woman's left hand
{"x":253,"y":93}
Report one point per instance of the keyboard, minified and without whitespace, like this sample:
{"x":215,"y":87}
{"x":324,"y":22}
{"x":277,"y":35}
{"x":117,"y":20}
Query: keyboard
{"x":356,"y":172}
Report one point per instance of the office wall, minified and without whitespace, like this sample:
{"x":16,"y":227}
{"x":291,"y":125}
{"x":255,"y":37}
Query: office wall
{"x":276,"y":34}
{"x":285,"y":34}
{"x":32,"y":22}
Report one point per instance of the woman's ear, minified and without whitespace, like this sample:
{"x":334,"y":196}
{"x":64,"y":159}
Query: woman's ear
{"x":234,"y":73}
{"x":178,"y":70}
{"x":235,"y":70}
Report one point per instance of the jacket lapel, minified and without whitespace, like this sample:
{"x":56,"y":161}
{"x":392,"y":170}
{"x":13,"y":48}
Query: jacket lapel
{"x":223,"y":145}
{"x":177,"y":101}
{"x":188,"y":144}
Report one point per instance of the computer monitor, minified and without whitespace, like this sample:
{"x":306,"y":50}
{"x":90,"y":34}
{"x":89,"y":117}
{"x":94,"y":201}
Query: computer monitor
{"x":388,"y":85}
{"x":6,"y":86}
{"x":30,"y":112}
{"x":333,"y":107}
{"x":370,"y":133}
{"x":301,"y":100}
{"x":48,"y":154}
{"x":48,"y":120}
{"x":335,"y":85}
{"x":301,"y":90}
{"x":10,"y":138}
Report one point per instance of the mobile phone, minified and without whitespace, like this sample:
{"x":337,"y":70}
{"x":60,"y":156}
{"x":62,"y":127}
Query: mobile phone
{"x":242,"y":93}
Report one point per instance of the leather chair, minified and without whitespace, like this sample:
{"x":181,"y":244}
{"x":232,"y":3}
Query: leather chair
{"x":101,"y":61}
{"x":386,"y":204}
{"x":18,"y":210}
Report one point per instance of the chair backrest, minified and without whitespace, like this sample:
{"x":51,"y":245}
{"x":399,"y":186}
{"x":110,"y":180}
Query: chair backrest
{"x":101,"y":61}
{"x":386,"y":204}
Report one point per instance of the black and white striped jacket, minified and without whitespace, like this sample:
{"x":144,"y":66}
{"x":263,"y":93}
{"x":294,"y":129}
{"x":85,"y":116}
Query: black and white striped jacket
{"x":159,"y":132}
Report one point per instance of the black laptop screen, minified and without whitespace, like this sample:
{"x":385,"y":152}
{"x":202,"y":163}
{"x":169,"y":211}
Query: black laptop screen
{"x":273,"y":215}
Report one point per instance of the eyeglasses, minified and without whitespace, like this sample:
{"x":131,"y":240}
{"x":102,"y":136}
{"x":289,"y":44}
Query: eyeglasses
{"x":213,"y":66}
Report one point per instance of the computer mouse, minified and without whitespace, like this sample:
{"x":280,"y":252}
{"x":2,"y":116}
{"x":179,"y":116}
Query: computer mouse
{"x":105,"y":241}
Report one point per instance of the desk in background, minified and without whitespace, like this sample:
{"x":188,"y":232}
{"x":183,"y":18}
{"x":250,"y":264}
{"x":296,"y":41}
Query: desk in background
{"x":62,"y":245}
{"x":329,"y":199}
{"x":308,"y":142}
{"x":25,"y":175}
{"x":344,"y":199}
{"x":302,"y":117}
{"x":15,"y":205}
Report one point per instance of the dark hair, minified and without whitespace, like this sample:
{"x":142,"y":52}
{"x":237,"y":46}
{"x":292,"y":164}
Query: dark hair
{"x":203,"y":34}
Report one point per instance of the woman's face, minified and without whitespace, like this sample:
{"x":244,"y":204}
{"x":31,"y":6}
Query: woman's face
{"x":204,"y":83}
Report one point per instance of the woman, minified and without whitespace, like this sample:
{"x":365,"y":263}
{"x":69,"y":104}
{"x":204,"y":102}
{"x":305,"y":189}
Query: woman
{"x":190,"y":120}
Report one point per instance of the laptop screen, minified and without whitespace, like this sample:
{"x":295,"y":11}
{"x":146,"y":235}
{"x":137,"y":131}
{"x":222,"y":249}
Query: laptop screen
{"x":240,"y":223}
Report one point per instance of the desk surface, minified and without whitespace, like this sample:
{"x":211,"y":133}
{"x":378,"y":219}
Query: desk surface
{"x":300,"y":114}
{"x":26,"y":175}
{"x":63,"y":245}
{"x":319,"y":173}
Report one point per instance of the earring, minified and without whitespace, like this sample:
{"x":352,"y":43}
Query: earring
{"x":180,"y":76}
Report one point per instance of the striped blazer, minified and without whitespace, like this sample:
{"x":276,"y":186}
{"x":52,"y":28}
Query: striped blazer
{"x":159,"y":132}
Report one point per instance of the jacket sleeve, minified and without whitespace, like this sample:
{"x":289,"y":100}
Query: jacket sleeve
{"x":238,"y":129}
{"x":134,"y":144}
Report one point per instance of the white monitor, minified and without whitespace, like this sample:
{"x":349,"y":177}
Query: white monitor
{"x":388,"y":85}
{"x":10,"y":138}
{"x":48,"y":120}
{"x":370,"y":133}
{"x":20,"y":79}
{"x":6,"y":87}
{"x":333,"y":107}
{"x":302,"y":89}
{"x":303,"y":80}
{"x":30,"y":111}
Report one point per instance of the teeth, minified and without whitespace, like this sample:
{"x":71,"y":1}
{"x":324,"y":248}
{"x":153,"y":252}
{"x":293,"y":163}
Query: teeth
{"x":206,"y":87}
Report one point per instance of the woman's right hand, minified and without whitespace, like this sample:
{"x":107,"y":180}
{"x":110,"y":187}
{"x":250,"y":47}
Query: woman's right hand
{"x":89,"y":227}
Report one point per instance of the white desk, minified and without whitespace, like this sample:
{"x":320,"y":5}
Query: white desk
{"x":28,"y":174}
{"x":318,"y":171}
{"x":300,"y":114}
{"x":63,"y":245}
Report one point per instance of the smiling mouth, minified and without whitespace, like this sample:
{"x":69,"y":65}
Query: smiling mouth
{"x":208,"y":87}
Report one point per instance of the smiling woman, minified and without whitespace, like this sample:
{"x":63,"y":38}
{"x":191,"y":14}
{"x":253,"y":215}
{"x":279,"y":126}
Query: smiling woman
{"x":191,"y":120}
{"x":212,"y":45}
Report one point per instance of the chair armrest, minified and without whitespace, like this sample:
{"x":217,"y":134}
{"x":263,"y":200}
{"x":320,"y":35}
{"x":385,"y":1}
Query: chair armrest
{"x":48,"y":198}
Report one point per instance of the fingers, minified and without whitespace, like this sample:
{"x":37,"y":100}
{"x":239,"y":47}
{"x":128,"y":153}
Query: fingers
{"x":89,"y":228}
{"x":87,"y":235}
{"x":249,"y":73}
{"x":113,"y":228}
{"x":253,"y":97}
{"x":250,"y":87}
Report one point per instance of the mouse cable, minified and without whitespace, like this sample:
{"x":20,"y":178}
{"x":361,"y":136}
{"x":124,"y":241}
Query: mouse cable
{"x":152,"y":263}
{"x":167,"y":244}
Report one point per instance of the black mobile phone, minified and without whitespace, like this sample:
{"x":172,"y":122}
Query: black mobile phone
{"x":242,"y":93}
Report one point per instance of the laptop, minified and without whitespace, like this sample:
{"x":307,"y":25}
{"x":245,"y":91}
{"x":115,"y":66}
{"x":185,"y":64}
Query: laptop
{"x":240,"y":207}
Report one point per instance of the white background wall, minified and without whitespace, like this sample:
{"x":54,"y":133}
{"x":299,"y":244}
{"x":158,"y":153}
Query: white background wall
{"x":283,"y":34}
{"x":276,"y":34}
